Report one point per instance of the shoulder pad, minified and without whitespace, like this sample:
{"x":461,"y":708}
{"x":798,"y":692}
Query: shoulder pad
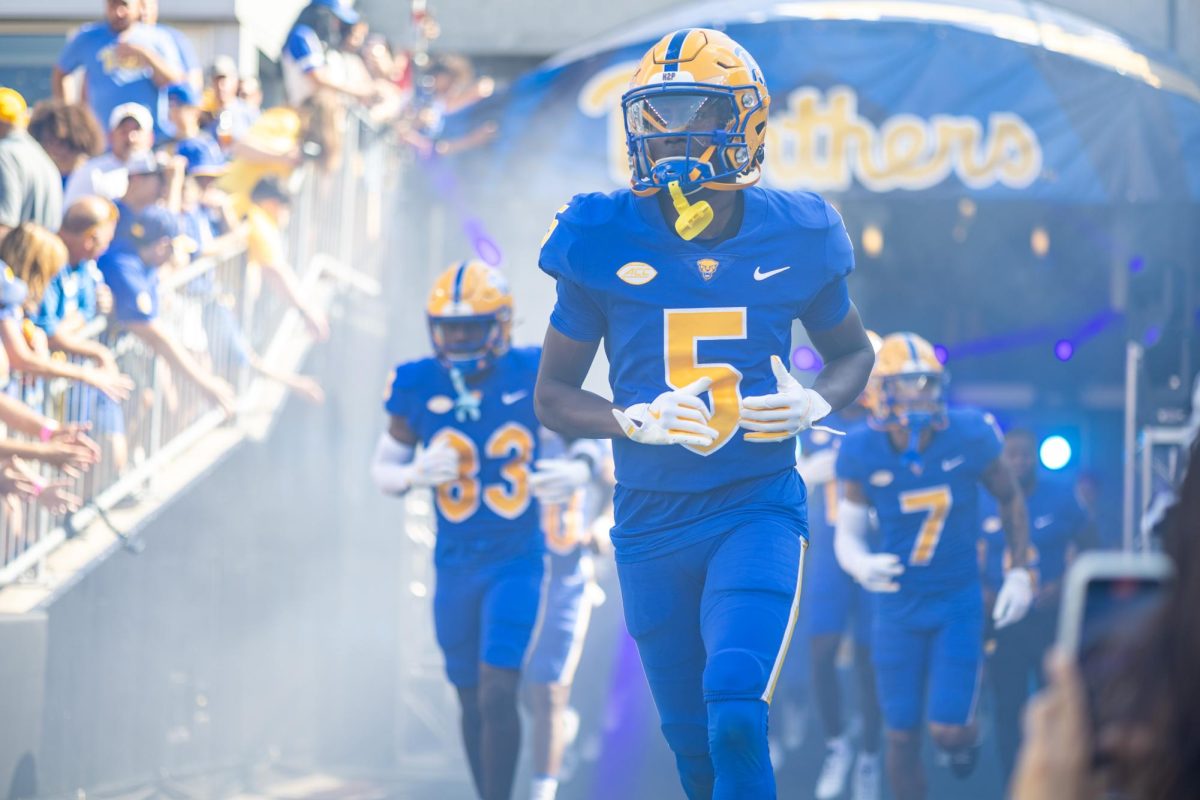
{"x":808,"y":209}
{"x":412,"y":374}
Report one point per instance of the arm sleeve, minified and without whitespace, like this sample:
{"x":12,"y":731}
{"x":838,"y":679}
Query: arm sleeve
{"x":72,"y":55}
{"x":186,"y":52}
{"x":10,"y":195}
{"x":576,"y":313}
{"x":828,"y":308}
{"x":304,"y":48}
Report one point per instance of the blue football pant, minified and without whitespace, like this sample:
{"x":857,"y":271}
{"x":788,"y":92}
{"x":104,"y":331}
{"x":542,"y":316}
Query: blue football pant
{"x":713,"y":622}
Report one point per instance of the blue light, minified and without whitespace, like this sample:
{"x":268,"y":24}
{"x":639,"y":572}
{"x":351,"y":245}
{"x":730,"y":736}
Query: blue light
{"x":806,"y":359}
{"x":942,"y":354}
{"x":1055,"y":452}
{"x":1063,"y":350}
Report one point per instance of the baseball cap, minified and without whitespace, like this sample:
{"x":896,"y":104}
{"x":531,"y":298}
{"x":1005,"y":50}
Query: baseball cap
{"x":134,"y":111}
{"x":341,"y":9}
{"x":145,"y":163}
{"x":151,"y":225}
{"x":13,"y":108}
{"x":203,"y":161}
{"x":184,"y":94}
{"x":224,"y":67}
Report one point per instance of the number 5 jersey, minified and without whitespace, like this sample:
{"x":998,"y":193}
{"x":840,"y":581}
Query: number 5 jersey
{"x":672,"y":311}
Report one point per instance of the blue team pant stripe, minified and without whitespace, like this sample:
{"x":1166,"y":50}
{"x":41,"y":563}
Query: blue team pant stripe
{"x":676,"y":45}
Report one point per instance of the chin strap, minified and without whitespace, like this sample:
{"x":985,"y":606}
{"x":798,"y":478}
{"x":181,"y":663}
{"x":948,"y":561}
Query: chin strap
{"x":466,"y":404}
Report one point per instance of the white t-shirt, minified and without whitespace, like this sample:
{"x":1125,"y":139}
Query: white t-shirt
{"x":104,"y":176}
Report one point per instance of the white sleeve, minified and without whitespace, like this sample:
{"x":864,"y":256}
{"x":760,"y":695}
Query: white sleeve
{"x":850,"y":536}
{"x":391,"y":468}
{"x":818,"y":468}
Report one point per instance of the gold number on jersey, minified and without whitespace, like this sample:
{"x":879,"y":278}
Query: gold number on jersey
{"x":563,"y":524}
{"x":516,"y":442}
{"x":684,"y":328}
{"x":935,"y":504}
{"x":459,"y":499}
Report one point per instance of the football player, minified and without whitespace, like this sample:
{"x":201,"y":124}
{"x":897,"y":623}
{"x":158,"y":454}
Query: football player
{"x":693,"y":280}
{"x":919,"y":465}
{"x":840,"y":606}
{"x":1058,"y":528}
{"x":565,"y":486}
{"x":462,"y":422}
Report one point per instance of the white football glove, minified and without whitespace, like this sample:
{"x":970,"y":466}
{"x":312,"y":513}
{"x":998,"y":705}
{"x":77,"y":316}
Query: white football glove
{"x":434,"y":465}
{"x":780,"y":416}
{"x":675,"y":417}
{"x":1014,"y":598}
{"x":876,"y":571}
{"x":555,"y":480}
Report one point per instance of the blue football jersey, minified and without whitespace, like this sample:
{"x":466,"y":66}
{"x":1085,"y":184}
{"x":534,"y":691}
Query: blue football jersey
{"x":822,"y":503}
{"x":489,"y":509}
{"x":671,"y":311}
{"x":1056,"y":520}
{"x":929,"y":517}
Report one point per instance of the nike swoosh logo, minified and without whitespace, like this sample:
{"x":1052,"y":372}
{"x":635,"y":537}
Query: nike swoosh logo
{"x":949,"y":464}
{"x":759,"y":275}
{"x":509,"y":398}
{"x":1042,"y":522}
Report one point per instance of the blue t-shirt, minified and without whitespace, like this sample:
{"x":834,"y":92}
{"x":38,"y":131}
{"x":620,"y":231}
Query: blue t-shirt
{"x":671,"y":311}
{"x":110,"y":83}
{"x":304,"y":48}
{"x":489,"y":513}
{"x":200,"y":150}
{"x":187,"y":51}
{"x":1055,"y":521}
{"x":71,"y":291}
{"x":133,"y":282}
{"x":928,"y":514}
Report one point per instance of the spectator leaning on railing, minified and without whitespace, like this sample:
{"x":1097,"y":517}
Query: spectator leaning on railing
{"x":68,"y":132}
{"x":30,"y":185}
{"x":32,"y":251}
{"x":124,"y":61}
{"x":107,"y":175}
{"x":311,"y":57}
{"x":130,"y":269}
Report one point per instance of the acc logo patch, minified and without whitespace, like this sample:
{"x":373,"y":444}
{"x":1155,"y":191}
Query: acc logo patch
{"x":707,"y":267}
{"x":439,"y":404}
{"x":637,"y":273}
{"x":991,"y":525}
{"x":882,"y":478}
{"x":145,"y":303}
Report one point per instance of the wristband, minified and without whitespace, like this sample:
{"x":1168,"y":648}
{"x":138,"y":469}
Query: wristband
{"x":47,"y":432}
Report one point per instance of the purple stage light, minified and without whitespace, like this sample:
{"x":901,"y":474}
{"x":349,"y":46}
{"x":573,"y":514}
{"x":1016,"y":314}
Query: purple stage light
{"x":1063,"y":350}
{"x":941,"y":353}
{"x":1137,"y":264}
{"x":1153,"y":334}
{"x":806,"y":359}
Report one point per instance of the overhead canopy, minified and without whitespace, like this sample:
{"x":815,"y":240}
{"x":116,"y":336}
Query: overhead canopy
{"x":995,"y":99}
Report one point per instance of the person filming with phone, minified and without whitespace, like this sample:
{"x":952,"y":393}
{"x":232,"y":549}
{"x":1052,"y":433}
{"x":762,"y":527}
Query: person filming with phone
{"x":1122,"y":705}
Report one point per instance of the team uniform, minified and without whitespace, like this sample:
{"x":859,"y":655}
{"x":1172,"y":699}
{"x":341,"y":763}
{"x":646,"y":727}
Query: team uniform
{"x":1056,"y":523}
{"x":489,"y":552}
{"x":570,"y":576}
{"x":842,"y":605}
{"x":707,"y":539}
{"x":927,"y":637}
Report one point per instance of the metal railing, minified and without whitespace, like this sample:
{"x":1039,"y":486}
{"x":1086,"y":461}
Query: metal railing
{"x":206,"y":306}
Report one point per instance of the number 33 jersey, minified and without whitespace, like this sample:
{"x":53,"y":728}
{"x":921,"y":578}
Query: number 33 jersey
{"x":489,"y":511}
{"x":929,"y":518}
{"x":671,"y":312}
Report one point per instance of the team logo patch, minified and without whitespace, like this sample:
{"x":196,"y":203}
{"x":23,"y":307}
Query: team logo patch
{"x":707,"y":267}
{"x":144,"y":302}
{"x":882,"y":478}
{"x":637,"y":273}
{"x":991,"y":525}
{"x":439,"y":404}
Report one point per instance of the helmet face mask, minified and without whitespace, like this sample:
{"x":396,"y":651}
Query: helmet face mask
{"x":470,"y":315}
{"x":914,"y":399}
{"x":696,"y":114}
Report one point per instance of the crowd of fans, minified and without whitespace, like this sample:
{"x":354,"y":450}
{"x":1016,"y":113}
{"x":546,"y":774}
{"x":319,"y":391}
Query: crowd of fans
{"x":141,"y":162}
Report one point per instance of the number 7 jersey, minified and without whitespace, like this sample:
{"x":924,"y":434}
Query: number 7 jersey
{"x":671,"y":312}
{"x":489,"y":511}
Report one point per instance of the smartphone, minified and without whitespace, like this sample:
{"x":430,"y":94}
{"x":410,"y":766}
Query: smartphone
{"x":1108,"y":597}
